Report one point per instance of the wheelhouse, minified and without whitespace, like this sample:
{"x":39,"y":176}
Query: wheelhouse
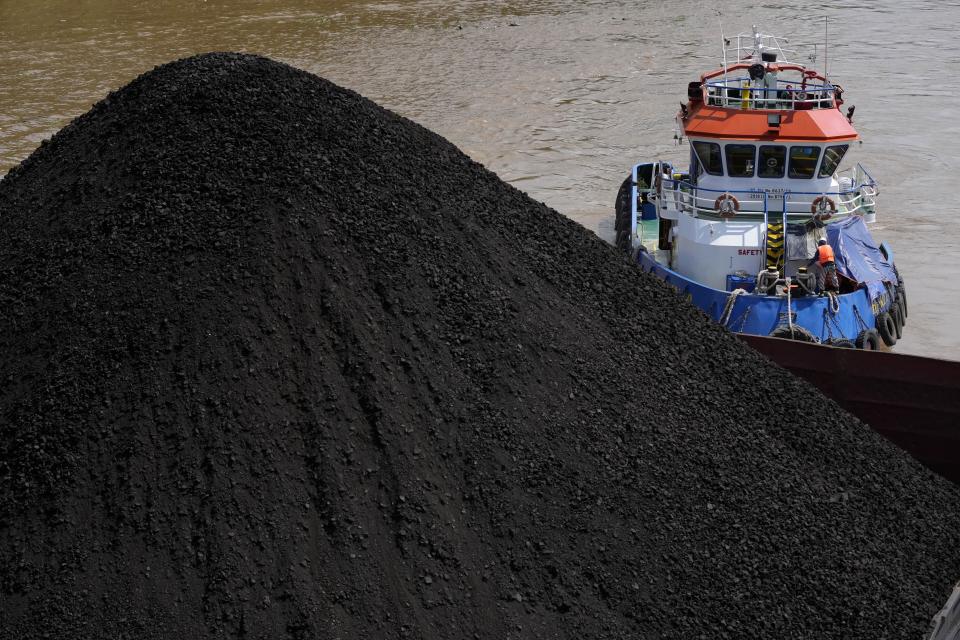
{"x":769,"y":136}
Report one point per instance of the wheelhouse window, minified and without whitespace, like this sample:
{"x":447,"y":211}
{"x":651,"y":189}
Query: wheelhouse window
{"x":773,"y":161}
{"x":740,"y":160}
{"x":803,"y":161}
{"x":710,"y":160}
{"x":831,"y":159}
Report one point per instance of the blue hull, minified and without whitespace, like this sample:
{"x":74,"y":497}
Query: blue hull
{"x":760,"y":315}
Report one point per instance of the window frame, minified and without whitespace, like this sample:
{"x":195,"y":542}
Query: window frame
{"x":816,"y":162}
{"x":703,"y":165}
{"x":726,"y":159}
{"x":783,"y":166}
{"x":823,"y":161}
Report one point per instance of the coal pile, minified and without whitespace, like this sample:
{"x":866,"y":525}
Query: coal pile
{"x":278,"y":363}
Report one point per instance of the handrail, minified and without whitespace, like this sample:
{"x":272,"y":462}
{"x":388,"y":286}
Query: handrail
{"x":749,"y":45}
{"x":852,"y":205}
{"x":688,"y":198}
{"x":783,"y":228}
{"x":754,"y":203}
{"x":766,"y":233}
{"x":727,"y":82}
{"x":729,"y":93}
{"x":860,"y":168}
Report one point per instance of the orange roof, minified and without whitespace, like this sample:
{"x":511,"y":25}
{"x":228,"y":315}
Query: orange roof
{"x":815,"y":125}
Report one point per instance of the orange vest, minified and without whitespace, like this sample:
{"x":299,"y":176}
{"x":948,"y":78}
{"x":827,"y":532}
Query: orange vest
{"x":825,"y":254}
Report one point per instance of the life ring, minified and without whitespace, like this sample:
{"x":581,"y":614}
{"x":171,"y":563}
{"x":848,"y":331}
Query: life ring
{"x":868,"y":340}
{"x":887,"y":329}
{"x":819,"y":208}
{"x":727,"y":205}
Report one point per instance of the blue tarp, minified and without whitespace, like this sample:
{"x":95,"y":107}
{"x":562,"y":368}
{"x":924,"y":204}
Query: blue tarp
{"x":858,"y":256}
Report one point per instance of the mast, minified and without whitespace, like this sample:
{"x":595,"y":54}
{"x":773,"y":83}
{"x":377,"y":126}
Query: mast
{"x":723,"y":47}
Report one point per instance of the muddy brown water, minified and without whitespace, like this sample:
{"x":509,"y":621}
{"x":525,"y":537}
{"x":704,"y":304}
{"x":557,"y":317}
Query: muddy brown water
{"x":558,"y":97}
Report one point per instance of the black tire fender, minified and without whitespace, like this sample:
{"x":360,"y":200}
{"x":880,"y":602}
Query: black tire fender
{"x":868,"y":340}
{"x":841,"y":343}
{"x":902,"y":292}
{"x":887,"y":329}
{"x":897,"y":316}
{"x":621,"y":223}
{"x":799,"y":333}
{"x":902,"y":301}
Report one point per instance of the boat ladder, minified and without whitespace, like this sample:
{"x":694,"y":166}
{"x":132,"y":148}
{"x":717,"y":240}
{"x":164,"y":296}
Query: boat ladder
{"x":775,"y":245}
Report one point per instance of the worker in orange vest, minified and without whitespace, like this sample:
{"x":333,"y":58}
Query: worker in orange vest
{"x":824,"y":258}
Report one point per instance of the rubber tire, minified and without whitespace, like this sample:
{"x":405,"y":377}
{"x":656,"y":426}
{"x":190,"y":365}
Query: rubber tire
{"x":841,"y":343}
{"x":868,"y":340}
{"x":887,"y":329}
{"x":902,"y":290}
{"x":902,"y":301}
{"x":621,"y":223}
{"x":897,"y":316}
{"x":622,"y":242}
{"x":799,"y":334}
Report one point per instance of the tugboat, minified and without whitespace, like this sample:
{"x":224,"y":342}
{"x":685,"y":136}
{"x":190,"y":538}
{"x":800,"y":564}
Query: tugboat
{"x":765,"y":232}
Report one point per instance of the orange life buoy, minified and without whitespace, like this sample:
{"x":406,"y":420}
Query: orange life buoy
{"x":819,"y":208}
{"x":727,"y":205}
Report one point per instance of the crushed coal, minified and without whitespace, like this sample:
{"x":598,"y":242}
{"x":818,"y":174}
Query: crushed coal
{"x":278,"y":363}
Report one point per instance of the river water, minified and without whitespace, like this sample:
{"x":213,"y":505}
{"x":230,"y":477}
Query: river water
{"x":559,"y":97}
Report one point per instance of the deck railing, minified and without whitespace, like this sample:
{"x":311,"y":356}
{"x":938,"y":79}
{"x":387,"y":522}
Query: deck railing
{"x":787,"y":95}
{"x":856,"y":196}
{"x":700,"y":202}
{"x":743,"y":46}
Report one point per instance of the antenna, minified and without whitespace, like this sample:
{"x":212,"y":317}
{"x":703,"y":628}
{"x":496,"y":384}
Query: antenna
{"x":723,"y":47}
{"x":826,"y":40}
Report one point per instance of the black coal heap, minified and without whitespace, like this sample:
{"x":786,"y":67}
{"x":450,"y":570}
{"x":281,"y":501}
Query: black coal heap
{"x":276,"y":362}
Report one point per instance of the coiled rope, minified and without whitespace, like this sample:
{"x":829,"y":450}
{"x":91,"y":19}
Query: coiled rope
{"x":834,"y":302}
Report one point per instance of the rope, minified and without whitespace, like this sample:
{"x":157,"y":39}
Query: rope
{"x":831,"y":322}
{"x":728,"y":306}
{"x":834,"y":302}
{"x":789,"y":307}
{"x":856,"y":314}
{"x":743,"y":318}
